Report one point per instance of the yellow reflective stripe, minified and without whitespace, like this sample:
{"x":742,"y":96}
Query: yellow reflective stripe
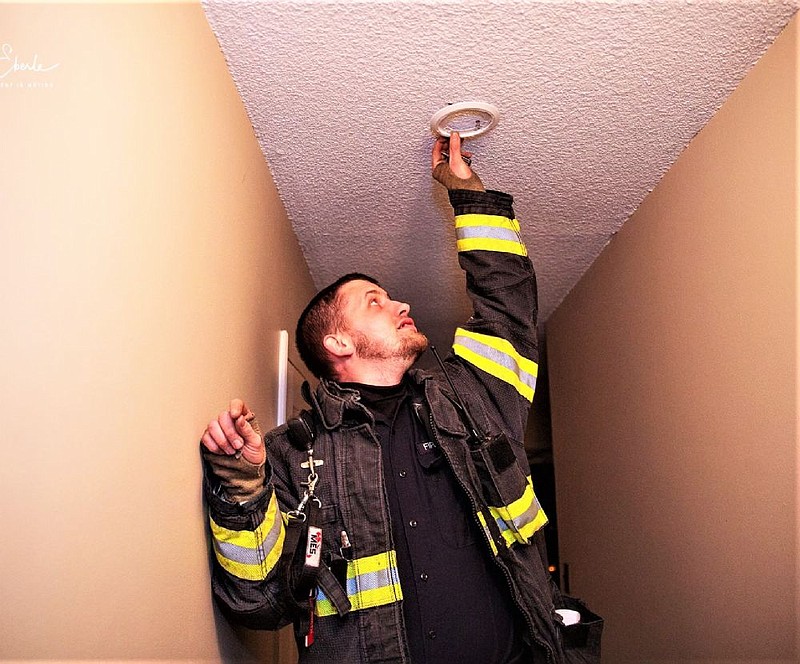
{"x":522,"y":504}
{"x":497,"y":357}
{"x":524,"y":534}
{"x":249,"y":539}
{"x":363,"y":600}
{"x":376,"y":563}
{"x":491,"y":244}
{"x":496,"y":220}
{"x":488,"y":232}
{"x":503,"y":346}
{"x":371,"y":581}
{"x":251,"y":554}
{"x":324,"y":607}
{"x":377,"y":597}
{"x":511,"y":538}
{"x":520,"y":519}
{"x":486,"y":530}
{"x":539,"y":521}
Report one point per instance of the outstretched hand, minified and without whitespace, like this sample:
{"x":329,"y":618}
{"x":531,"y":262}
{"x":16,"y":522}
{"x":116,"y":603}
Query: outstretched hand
{"x":234,"y":431}
{"x":452,"y":171}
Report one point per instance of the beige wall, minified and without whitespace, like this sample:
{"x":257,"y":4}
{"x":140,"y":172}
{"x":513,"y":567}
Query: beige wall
{"x":673,"y":376}
{"x":147,"y":266}
{"x":797,"y":342}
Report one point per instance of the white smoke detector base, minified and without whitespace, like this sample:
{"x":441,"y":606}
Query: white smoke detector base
{"x":468,"y":118}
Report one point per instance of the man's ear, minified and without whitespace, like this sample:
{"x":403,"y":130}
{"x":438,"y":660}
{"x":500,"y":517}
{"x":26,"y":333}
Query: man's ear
{"x":339,"y":345}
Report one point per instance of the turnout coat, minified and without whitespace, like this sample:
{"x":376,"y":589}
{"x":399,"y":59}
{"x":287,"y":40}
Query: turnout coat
{"x":493,"y":366}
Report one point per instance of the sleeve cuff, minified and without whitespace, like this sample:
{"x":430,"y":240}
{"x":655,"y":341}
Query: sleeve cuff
{"x":239,"y":480}
{"x":230,"y":511}
{"x":466,"y":201}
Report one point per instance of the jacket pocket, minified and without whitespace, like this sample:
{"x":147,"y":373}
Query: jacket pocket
{"x":581,"y":641}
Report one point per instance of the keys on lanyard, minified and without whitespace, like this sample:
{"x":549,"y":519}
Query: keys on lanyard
{"x":299,"y":512}
{"x":313,"y":554}
{"x":304,"y":514}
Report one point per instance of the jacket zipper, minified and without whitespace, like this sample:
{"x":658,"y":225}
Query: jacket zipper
{"x":372,"y":435}
{"x":506,"y":575}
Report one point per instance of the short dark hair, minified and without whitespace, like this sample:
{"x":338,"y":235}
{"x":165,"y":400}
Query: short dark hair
{"x":320,"y":317}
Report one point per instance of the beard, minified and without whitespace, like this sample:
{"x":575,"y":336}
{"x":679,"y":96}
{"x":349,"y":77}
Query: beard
{"x":409,"y":347}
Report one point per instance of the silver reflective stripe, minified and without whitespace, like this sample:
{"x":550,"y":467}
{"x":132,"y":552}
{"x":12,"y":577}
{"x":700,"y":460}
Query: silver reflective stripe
{"x":523,"y":519}
{"x":246,"y":555}
{"x":497,"y":357}
{"x":528,"y":515}
{"x":469,"y":232}
{"x":372,"y":580}
{"x":239,"y":554}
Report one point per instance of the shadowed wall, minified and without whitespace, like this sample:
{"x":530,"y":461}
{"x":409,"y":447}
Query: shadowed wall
{"x":672,"y":371}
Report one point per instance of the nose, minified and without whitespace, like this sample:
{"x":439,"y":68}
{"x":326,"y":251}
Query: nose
{"x":404,"y":309}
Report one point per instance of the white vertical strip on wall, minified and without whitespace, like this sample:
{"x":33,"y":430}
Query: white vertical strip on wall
{"x":283,"y":375}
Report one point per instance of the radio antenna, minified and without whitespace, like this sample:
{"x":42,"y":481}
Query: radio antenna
{"x":462,"y":409}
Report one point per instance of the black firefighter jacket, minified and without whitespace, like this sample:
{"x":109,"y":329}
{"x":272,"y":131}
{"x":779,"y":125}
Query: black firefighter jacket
{"x":493,"y":364}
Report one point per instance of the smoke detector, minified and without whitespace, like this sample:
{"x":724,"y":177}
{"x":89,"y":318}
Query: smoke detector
{"x":468,"y":118}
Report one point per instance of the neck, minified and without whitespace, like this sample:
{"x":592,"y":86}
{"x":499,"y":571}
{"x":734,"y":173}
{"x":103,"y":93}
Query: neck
{"x":381,"y":374}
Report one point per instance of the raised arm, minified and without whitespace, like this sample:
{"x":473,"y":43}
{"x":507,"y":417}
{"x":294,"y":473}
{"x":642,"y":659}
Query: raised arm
{"x":497,"y":346}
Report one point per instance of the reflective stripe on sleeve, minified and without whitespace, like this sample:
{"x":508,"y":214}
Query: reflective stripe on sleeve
{"x":371,"y":581}
{"x":488,"y":232}
{"x":251,"y":554}
{"x":498,"y":357}
{"x":487,"y":532}
{"x":522,"y":518}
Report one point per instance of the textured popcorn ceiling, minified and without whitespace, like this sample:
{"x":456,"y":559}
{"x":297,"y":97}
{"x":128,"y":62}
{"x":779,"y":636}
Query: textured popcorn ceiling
{"x":597,"y":99}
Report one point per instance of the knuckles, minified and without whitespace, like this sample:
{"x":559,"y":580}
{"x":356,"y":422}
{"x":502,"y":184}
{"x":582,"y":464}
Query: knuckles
{"x":222,"y":431}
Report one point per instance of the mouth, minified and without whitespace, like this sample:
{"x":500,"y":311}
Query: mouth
{"x":406,"y":323}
